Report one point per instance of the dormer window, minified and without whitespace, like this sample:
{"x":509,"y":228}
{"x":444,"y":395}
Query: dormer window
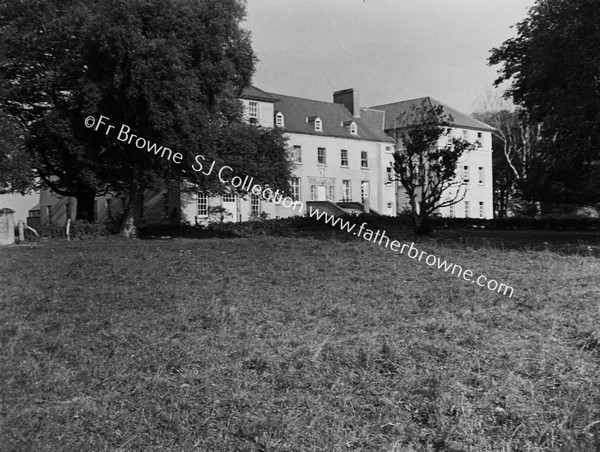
{"x":316,"y":122}
{"x":351,"y":127}
{"x":279,"y":119}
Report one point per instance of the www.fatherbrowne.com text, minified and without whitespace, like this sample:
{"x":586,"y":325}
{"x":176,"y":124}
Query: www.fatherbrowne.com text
{"x":224,"y":173}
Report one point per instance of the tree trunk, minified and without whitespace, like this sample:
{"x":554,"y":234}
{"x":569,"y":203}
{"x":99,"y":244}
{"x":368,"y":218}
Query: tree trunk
{"x":134,"y":209}
{"x":502,"y":203}
{"x":85,"y":206}
{"x":423,"y":225}
{"x":538,"y":209}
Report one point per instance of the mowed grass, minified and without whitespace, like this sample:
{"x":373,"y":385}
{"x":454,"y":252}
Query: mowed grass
{"x":295,"y":344}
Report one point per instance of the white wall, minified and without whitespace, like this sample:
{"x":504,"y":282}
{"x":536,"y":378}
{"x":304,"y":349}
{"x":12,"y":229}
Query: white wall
{"x":311,"y":172}
{"x":266,"y":112}
{"x":20,"y":204}
{"x":475,"y":192}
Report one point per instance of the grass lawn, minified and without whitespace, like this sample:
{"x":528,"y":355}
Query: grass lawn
{"x":296,"y":344}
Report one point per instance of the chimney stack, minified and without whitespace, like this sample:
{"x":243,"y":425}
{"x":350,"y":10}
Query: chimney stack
{"x":349,"y":99}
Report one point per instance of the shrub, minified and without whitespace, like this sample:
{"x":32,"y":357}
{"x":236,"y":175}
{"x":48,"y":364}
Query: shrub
{"x":79,"y":230}
{"x":550,"y":223}
{"x":218,"y":214}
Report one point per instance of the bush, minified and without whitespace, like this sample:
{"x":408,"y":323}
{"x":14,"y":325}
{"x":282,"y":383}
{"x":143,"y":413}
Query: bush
{"x":550,"y":223}
{"x":79,"y":230}
{"x":292,"y":226}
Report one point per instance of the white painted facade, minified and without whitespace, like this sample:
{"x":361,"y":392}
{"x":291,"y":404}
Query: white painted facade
{"x":326,"y":168}
{"x":474,"y":169}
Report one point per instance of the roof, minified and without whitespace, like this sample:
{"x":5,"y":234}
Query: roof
{"x":375,"y":118}
{"x":395,"y":109}
{"x":253,"y":93}
{"x":296,"y":110}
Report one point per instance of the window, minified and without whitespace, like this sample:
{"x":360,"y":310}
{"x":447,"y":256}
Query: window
{"x":68,"y":211}
{"x":451,"y":213}
{"x":49,"y":213}
{"x":109,"y":208}
{"x":279,"y":119}
{"x":481,"y":210}
{"x":253,"y":111}
{"x":466,"y":177}
{"x":331,"y":193}
{"x":321,"y":160}
{"x":364,"y":161}
{"x":481,"y":175}
{"x":467,"y":209}
{"x":295,"y":188}
{"x":313,"y":192}
{"x":344,"y":157}
{"x":318,"y":125}
{"x":230,"y":197}
{"x":297,"y":154}
{"x":347,"y":190}
{"x":34,"y":213}
{"x":479,"y":135}
{"x":350,"y":126}
{"x":465,"y":134}
{"x":254,"y":205}
{"x":202,"y":205}
{"x":449,"y":136}
{"x":388,"y":149}
{"x":389,"y":173}
{"x":364,"y":190}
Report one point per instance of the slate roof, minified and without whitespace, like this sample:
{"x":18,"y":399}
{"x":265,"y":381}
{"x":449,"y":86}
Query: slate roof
{"x":375,"y":118}
{"x":253,"y":93}
{"x":395,"y":109}
{"x":332,"y":115}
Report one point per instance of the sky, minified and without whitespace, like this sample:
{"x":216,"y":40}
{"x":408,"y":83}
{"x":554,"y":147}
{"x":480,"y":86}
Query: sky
{"x":388,"y":50}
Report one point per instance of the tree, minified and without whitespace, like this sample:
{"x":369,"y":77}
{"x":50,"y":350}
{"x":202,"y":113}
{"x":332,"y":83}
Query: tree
{"x":15,"y":167}
{"x":552,"y":69}
{"x":39,"y":67}
{"x":515,"y":143}
{"x":169,"y":72}
{"x":425,"y":167}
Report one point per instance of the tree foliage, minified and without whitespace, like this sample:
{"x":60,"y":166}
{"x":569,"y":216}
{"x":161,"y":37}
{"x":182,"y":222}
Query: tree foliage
{"x":516,"y":144}
{"x":425,"y":167}
{"x":15,"y":167}
{"x":552,"y":68}
{"x":171,"y":70}
{"x":39,"y":66}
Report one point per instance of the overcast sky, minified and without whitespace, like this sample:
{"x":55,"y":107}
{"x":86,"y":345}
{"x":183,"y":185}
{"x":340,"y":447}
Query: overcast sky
{"x":388,"y":50}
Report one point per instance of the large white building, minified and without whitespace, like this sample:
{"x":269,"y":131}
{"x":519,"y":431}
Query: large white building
{"x":474,"y":168}
{"x":343,"y":157}
{"x":340,"y":153}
